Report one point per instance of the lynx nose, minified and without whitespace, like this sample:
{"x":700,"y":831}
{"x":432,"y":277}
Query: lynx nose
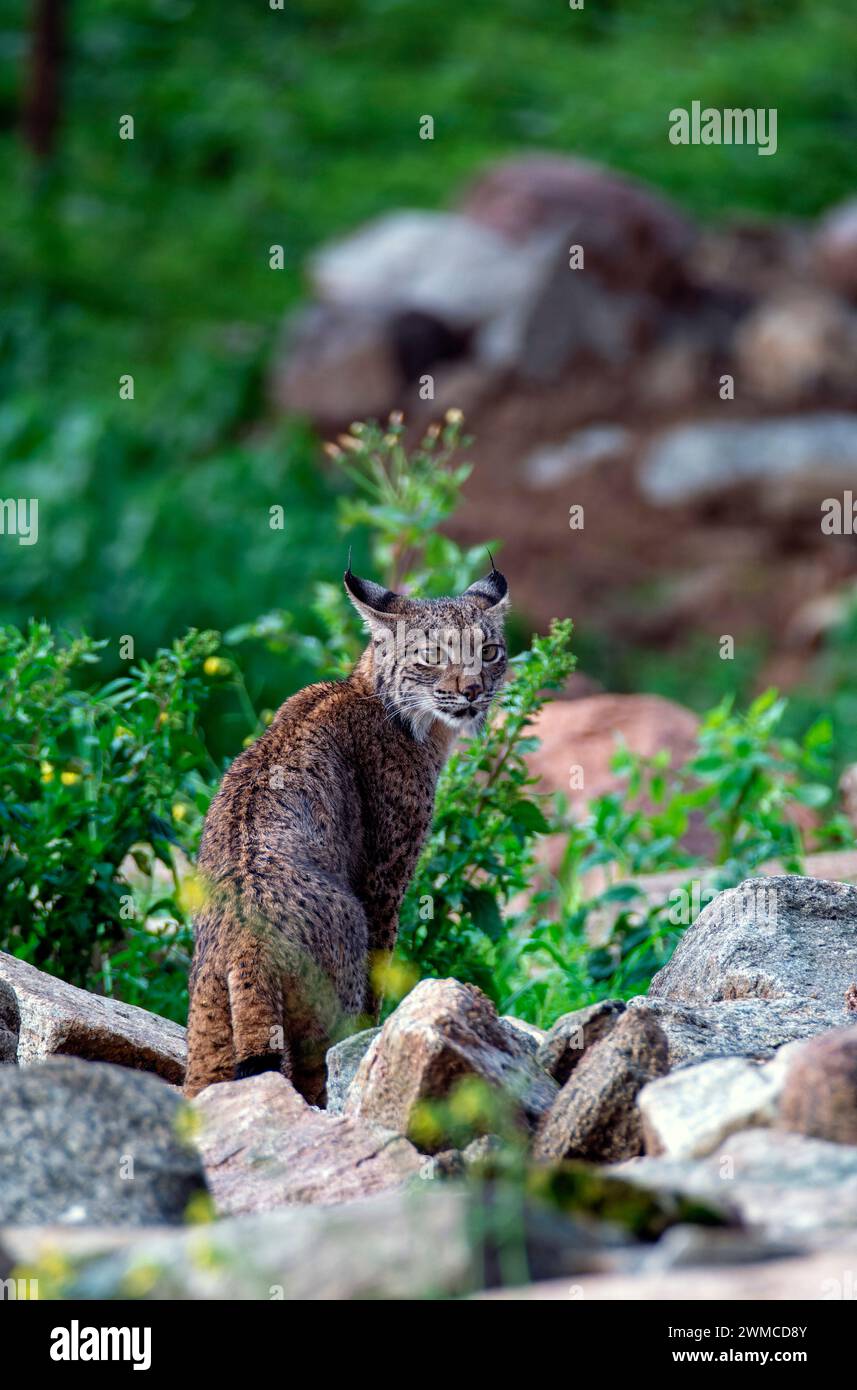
{"x":471,"y":691}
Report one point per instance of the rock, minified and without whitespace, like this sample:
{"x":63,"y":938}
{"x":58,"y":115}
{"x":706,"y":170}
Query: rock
{"x":343,"y":1059}
{"x":449,"y":1163}
{"x":682,"y":1247}
{"x":337,"y":365}
{"x":752,"y":1028}
{"x":387,"y":1247}
{"x":691,"y":462}
{"x":784,"y":937}
{"x":595,"y":1115}
{"x":440,"y":1034}
{"x":567,"y":1041}
{"x":454,"y":270}
{"x":577,"y":742}
{"x":835,"y":247}
{"x":555,"y":463}
{"x":522,"y":197}
{"x":582,"y":736}
{"x":764,"y":964}
{"x":89,"y":1143}
{"x":796,"y":345}
{"x":690,"y":1112}
{"x":819,"y":1095}
{"x":60,"y":1019}
{"x":791,"y":1187}
{"x":10,"y":1023}
{"x":264,"y":1147}
{"x":634,"y":244}
{"x":527,"y":1033}
{"x":436,"y":1242}
{"x":825,"y":1275}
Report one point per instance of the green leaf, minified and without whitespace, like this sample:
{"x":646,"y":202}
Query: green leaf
{"x":480,"y":905}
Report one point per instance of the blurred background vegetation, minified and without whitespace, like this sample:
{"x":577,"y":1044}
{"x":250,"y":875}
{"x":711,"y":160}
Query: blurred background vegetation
{"x":257,"y":127}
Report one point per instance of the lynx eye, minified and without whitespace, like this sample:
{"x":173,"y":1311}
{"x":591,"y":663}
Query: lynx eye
{"x":490,"y":651}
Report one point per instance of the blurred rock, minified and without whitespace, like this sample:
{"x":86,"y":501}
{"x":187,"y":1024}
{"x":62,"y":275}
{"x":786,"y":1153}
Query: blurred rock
{"x":343,"y":1059}
{"x":621,"y":220}
{"x":392,"y":1246}
{"x":791,"y":1187}
{"x":595,"y":1116}
{"x":10,"y":1023}
{"x":584,"y":449}
{"x":819,"y":1096}
{"x":581,"y":737}
{"x":264,"y":1147}
{"x":338,"y":365}
{"x":745,"y":259}
{"x":821,"y":1275}
{"x":674,"y":376}
{"x":88,"y":1143}
{"x":696,"y":461}
{"x":690,"y":1112}
{"x":464,"y":275}
{"x":835,"y":247}
{"x":633,"y":243}
{"x":796,"y":345}
{"x":573,"y":1034}
{"x":435,"y":1241}
{"x":577,"y":316}
{"x":56,"y":1018}
{"x":577,"y":741}
{"x":686,"y":1247}
{"x":441,"y":1033}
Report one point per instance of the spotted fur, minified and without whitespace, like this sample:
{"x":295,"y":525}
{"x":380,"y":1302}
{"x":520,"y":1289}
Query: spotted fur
{"x":312,"y":839}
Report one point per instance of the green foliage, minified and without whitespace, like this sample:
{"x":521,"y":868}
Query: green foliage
{"x":146,"y":530}
{"x":740,"y":787}
{"x":481,"y":851}
{"x":400,"y":498}
{"x":89,"y":778}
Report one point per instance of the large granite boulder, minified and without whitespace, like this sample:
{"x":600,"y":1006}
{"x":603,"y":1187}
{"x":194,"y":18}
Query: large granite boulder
{"x":443,"y":1033}
{"x":771,"y":962}
{"x":264,"y":1147}
{"x":59,"y":1019}
{"x":780,"y":938}
{"x":86,"y":1143}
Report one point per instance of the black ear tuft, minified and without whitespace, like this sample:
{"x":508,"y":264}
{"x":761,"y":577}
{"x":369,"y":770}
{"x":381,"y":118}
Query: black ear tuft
{"x":491,"y":591}
{"x":367,"y":594}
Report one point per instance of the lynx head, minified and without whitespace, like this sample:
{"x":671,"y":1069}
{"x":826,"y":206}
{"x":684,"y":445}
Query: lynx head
{"x":435,"y":659}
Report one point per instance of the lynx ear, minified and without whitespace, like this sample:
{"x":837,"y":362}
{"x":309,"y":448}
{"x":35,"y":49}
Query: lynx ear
{"x":491,"y":593}
{"x":375,"y":604}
